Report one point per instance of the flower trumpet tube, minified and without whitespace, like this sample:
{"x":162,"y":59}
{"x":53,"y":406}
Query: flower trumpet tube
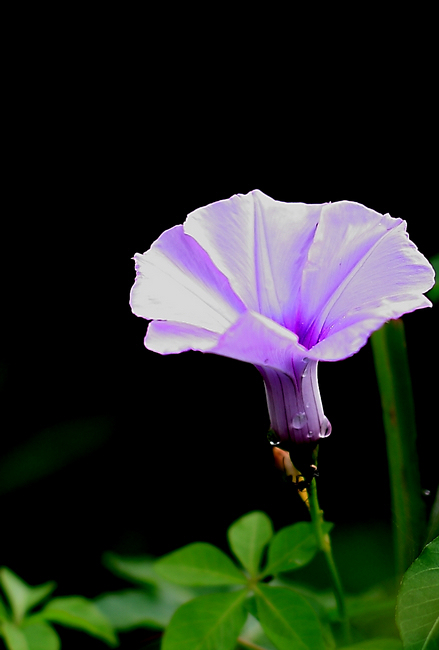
{"x":281,"y":286}
{"x":294,"y":404}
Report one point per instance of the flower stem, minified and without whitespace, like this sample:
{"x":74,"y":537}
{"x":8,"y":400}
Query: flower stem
{"x":324,"y":544}
{"x":394,"y":383}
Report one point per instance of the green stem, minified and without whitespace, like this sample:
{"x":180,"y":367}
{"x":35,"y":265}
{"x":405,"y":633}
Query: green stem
{"x":394,"y":383}
{"x":324,"y":544}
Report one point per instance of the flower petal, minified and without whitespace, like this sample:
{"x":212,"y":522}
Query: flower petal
{"x":176,"y":280}
{"x":252,"y":338}
{"x":345,"y":341}
{"x":169,"y":337}
{"x":362,"y":270}
{"x":261,"y":246}
{"x":257,"y":339}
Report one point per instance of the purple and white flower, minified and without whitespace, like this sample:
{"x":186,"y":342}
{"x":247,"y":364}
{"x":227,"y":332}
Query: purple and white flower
{"x":281,"y":286}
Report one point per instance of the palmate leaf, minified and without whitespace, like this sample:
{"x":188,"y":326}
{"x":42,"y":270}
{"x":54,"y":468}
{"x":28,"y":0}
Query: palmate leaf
{"x":292,"y":547}
{"x":199,"y":564}
{"x":288,"y":619}
{"x":211,"y":622}
{"x":417,"y":611}
{"x":248,"y":537}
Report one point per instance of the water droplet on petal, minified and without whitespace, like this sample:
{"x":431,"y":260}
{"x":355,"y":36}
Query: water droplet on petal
{"x":299,"y":420}
{"x":305,"y":370}
{"x":273,"y":439}
{"x":309,"y":434}
{"x":325,"y":428}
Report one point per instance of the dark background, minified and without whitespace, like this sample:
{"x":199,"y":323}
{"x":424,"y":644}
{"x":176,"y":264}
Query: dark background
{"x":115,"y":138}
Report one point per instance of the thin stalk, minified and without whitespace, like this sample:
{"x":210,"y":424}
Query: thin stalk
{"x":394,"y":383}
{"x":324,"y":544}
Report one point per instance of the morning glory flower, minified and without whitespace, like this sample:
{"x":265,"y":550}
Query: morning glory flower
{"x":282,"y":286}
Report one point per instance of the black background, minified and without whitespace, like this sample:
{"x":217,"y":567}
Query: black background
{"x":115,"y":136}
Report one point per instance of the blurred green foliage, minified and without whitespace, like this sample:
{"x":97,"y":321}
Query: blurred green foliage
{"x":23,"y":628}
{"x":51,"y":450}
{"x":157,"y":604}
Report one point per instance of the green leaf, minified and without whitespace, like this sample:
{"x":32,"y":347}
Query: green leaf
{"x":376,"y":644}
{"x":80,"y":613}
{"x":13,"y":637}
{"x":248,"y":537}
{"x":16,"y":591}
{"x":394,"y":383}
{"x":154,"y":605}
{"x":417,"y":610}
{"x":41,"y":636}
{"x":21,"y":596}
{"x":288,"y":620}
{"x":251,"y":607}
{"x":211,"y":622}
{"x":136,"y":608}
{"x":433,"y":294}
{"x":252,"y":632}
{"x":3,"y":612}
{"x":292,"y":547}
{"x":199,"y":564}
{"x":138,"y":569}
{"x":129,"y":609}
